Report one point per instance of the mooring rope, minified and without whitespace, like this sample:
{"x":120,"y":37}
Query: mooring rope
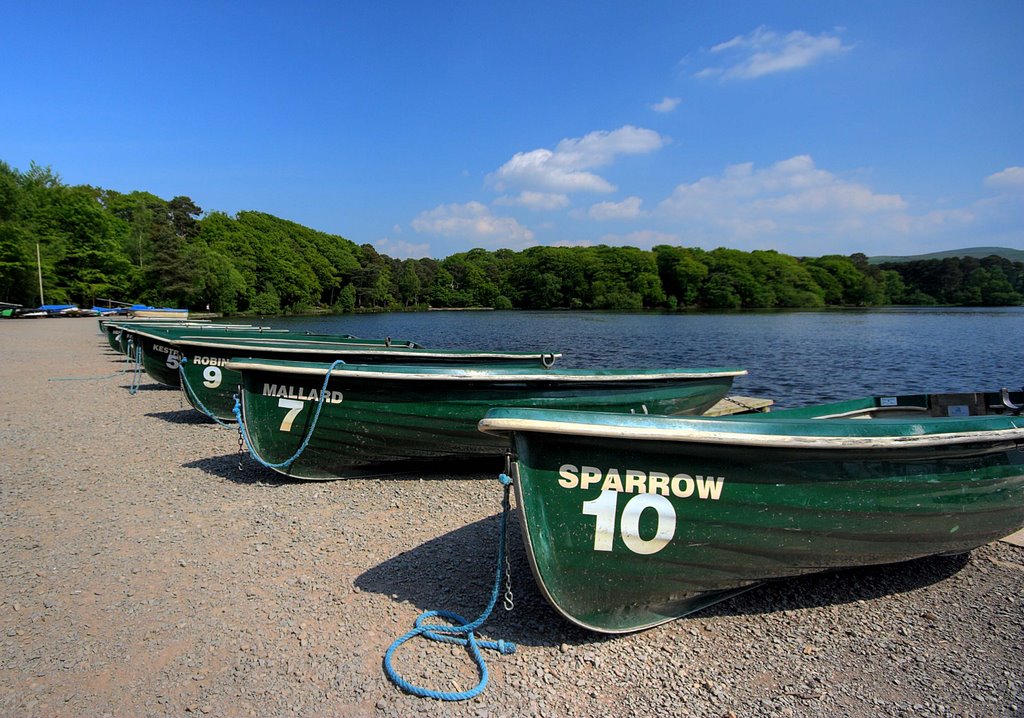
{"x":462,"y":633}
{"x":133,"y":387}
{"x":244,"y":432}
{"x":86,"y":378}
{"x":120,"y":372}
{"x":193,"y":398}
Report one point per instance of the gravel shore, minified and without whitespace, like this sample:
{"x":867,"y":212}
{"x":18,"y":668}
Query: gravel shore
{"x":144,"y":574}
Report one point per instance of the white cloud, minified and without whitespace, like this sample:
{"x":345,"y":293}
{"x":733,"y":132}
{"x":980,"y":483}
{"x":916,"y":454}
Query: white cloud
{"x":1011,"y":178}
{"x":936,"y":221}
{"x":563,"y":170}
{"x":628,"y":208}
{"x":473,"y":221}
{"x":667,"y":104}
{"x":540,"y":169}
{"x":789,"y":187}
{"x":400,"y":249}
{"x":764,"y":52}
{"x":536,"y":201}
{"x":600,"y":147}
{"x":789,"y":199}
{"x":572,"y":243}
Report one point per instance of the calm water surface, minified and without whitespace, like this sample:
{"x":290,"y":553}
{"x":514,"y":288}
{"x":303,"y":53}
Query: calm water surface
{"x":796,"y":358}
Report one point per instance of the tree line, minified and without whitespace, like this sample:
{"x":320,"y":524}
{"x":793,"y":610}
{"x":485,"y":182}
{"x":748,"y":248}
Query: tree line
{"x":93,"y":243}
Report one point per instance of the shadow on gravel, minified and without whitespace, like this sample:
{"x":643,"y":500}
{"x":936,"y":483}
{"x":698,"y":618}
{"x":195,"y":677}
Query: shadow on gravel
{"x":226,"y":467}
{"x":839,"y":587}
{"x":434,"y":470}
{"x":455,"y":572}
{"x":152,"y":387}
{"x":252,"y":474}
{"x":182,"y":416}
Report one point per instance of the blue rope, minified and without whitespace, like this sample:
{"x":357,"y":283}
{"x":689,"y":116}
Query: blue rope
{"x":193,"y":398}
{"x":120,"y":372}
{"x":454,"y":633}
{"x":237,"y":411}
{"x":85,"y":378}
{"x":136,"y":381}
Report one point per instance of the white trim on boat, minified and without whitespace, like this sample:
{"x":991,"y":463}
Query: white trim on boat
{"x":142,"y":331}
{"x":720,"y":436}
{"x":329,"y":348}
{"x":496,"y":374}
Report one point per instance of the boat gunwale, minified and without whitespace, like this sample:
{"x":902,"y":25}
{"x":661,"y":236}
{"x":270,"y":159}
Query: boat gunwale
{"x":326,"y":348}
{"x":401,"y":372}
{"x":720,"y":436}
{"x":230,"y":328}
{"x":299,"y":341}
{"x":149,"y":334}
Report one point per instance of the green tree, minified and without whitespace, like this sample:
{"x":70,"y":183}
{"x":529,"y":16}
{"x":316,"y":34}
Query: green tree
{"x":409,"y":285}
{"x":547,"y":291}
{"x":373,"y":280}
{"x":789,"y":281}
{"x":17,"y":251}
{"x":855,"y":288}
{"x":442,"y":289}
{"x":731,"y":283}
{"x":682,"y":272}
{"x":92,"y":264}
{"x":626,"y":277}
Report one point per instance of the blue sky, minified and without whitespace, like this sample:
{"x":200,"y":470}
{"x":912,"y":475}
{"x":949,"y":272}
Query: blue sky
{"x":428,"y":128}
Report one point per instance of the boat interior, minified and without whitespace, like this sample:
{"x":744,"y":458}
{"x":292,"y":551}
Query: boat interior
{"x":1003,"y":402}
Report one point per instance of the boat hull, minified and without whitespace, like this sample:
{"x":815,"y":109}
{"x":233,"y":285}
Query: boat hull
{"x":625,"y":532}
{"x":163,"y":349}
{"x":211,"y":384}
{"x":158,"y":313}
{"x":373,"y":415}
{"x":118,"y":330}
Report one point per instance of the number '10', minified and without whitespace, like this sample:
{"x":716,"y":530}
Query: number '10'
{"x":604,"y":509}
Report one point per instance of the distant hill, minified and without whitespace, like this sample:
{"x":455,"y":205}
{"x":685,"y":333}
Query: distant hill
{"x":1014,"y":255}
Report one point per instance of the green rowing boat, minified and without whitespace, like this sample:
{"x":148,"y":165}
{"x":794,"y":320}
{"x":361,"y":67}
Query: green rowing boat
{"x":171,"y":332}
{"x":117,"y":338}
{"x":210,"y":379}
{"x":368,"y":415}
{"x":631,"y":521}
{"x":163,"y":347}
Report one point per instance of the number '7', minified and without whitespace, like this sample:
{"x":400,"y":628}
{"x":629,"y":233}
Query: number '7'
{"x":294,"y":406}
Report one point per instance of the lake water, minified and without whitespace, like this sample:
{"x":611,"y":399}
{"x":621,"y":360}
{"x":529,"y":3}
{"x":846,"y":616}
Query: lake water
{"x":793,"y":357}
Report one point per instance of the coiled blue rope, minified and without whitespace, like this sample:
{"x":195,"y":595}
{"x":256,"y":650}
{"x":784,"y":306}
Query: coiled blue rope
{"x":454,"y":633}
{"x":244,"y":432}
{"x":193,"y":398}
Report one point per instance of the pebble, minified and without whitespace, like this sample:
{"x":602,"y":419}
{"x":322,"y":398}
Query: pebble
{"x":292,"y":591}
